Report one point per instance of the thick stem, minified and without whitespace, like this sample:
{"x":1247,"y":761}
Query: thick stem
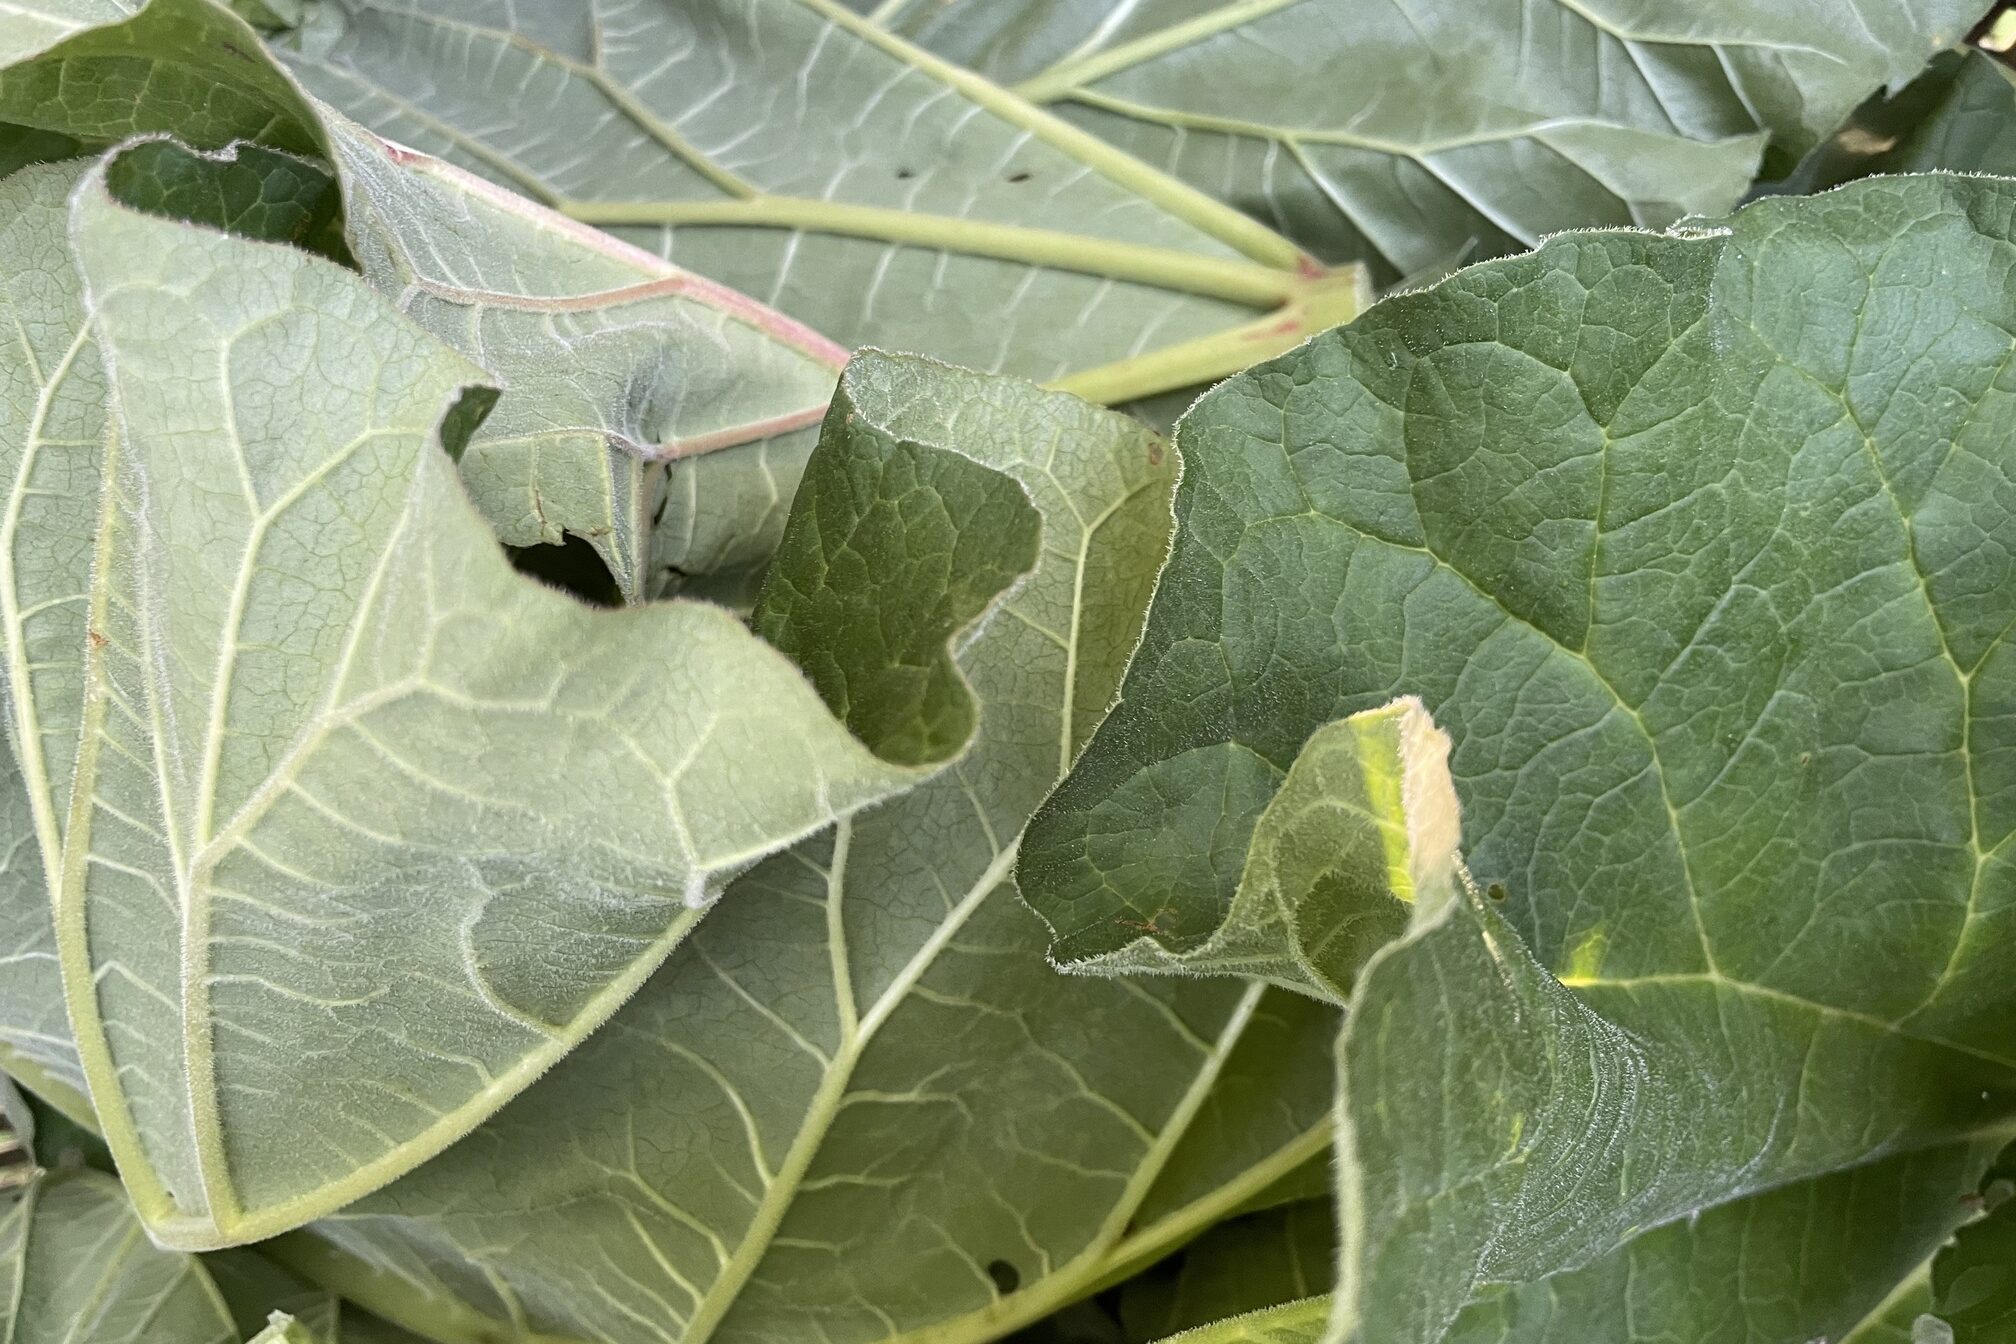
{"x":1317,"y":305}
{"x":1170,"y":268}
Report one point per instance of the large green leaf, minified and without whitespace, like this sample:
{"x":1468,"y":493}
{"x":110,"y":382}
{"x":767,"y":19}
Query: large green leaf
{"x":857,"y":1104}
{"x":809,"y":158}
{"x":268,"y":767}
{"x":1696,"y":545}
{"x":1402,"y":133}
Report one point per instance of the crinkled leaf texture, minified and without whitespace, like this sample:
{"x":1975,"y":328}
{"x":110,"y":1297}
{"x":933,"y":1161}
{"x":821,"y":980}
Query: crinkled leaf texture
{"x":1698,"y":546}
{"x":1541,"y":115}
{"x":613,"y":364}
{"x":857,"y":1104}
{"x":351,"y":831}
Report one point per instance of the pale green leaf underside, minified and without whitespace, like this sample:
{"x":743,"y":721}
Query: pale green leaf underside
{"x":613,"y":364}
{"x":802,"y":156}
{"x":1545,"y":114}
{"x":32,"y":26}
{"x":750,"y":129}
{"x":1697,"y":545}
{"x":75,"y":1265}
{"x":319,"y":694}
{"x":858,"y":1086}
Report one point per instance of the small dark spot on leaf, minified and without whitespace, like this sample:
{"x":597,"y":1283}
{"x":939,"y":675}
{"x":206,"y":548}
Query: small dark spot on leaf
{"x":1496,"y":891}
{"x":905,"y":174}
{"x":1006,"y":1279}
{"x":97,"y":640}
{"x":1020,"y":177}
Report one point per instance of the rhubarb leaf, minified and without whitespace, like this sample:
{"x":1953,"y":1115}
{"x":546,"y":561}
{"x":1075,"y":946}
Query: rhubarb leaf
{"x":856,"y":1103}
{"x":1695,"y":545}
{"x":613,"y":365}
{"x":276,"y":754}
{"x":1544,"y":114}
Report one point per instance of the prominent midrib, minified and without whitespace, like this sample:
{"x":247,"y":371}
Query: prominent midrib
{"x":1174,"y":197}
{"x":27,"y":720}
{"x":782,"y":1190}
{"x":150,"y":1198}
{"x":192,"y":879}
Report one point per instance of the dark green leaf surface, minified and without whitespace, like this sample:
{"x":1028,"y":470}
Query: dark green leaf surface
{"x":101,"y":70}
{"x":1974,"y":1278}
{"x":1696,"y":545}
{"x":1837,"y":1258}
{"x":1242,"y":1265}
{"x":1359,"y":839}
{"x":1959,"y":116}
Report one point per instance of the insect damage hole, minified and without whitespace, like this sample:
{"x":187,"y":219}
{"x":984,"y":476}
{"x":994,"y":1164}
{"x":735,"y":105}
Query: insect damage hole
{"x":1006,"y":1277}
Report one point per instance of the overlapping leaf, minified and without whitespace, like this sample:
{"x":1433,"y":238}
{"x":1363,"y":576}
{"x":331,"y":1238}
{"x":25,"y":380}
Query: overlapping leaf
{"x":804,"y":157}
{"x":1960,"y":115}
{"x":1695,"y":544}
{"x":75,"y":1264}
{"x":1544,"y":114}
{"x":869,"y":190}
{"x":1252,"y":1263}
{"x":1359,"y":840}
{"x":857,"y":1104}
{"x":333,"y":760}
{"x":613,"y":363}
{"x":1293,"y":1323}
{"x":76,"y":1267}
